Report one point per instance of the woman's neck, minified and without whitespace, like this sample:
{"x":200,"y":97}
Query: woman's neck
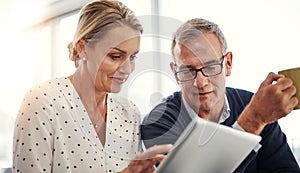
{"x":93,"y":100}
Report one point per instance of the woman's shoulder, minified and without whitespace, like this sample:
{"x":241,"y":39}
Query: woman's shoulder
{"x":40,"y":99}
{"x":48,"y":88}
{"x":50,"y":85}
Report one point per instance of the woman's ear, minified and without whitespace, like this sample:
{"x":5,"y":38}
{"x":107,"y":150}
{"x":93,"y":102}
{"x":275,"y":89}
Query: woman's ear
{"x":80,"y":46}
{"x":228,"y":64}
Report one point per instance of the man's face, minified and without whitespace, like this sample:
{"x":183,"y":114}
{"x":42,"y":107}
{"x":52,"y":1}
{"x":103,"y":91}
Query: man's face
{"x":204,"y":94}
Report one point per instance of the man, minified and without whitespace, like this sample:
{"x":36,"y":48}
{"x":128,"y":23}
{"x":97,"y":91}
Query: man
{"x":201,"y":64}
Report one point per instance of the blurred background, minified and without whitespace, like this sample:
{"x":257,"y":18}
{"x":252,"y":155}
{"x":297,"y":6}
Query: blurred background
{"x":262,"y":34}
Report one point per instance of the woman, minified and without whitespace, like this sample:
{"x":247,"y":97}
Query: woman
{"x":74,"y":124}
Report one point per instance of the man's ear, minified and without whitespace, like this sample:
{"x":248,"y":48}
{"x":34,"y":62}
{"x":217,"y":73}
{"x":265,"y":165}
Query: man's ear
{"x":80,"y":46}
{"x":228,"y":63}
{"x":172,"y":66}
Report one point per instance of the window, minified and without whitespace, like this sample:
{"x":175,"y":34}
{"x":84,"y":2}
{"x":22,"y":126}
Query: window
{"x":65,"y":28}
{"x":26,"y":63}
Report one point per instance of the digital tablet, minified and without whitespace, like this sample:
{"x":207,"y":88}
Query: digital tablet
{"x":208,"y":147}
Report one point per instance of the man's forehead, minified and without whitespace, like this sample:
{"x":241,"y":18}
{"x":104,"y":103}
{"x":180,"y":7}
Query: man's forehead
{"x":186,"y":54}
{"x":205,"y":45}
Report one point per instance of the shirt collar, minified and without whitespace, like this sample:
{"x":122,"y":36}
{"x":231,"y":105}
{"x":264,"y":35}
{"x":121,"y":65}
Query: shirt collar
{"x":224,"y":115}
{"x":190,"y":111}
{"x":226,"y":111}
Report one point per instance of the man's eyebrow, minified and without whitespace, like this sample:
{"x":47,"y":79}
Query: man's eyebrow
{"x":186,"y":66}
{"x":192,"y":67}
{"x":211,"y":62}
{"x":122,"y":51}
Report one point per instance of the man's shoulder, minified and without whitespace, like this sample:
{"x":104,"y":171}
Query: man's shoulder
{"x":237,"y":99}
{"x":174,"y":98}
{"x":169,"y":107}
{"x":231,"y":90}
{"x":171,"y":101}
{"x":165,"y":122}
{"x":236,"y":94}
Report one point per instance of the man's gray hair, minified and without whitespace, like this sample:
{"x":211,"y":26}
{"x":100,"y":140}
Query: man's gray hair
{"x":194,"y":28}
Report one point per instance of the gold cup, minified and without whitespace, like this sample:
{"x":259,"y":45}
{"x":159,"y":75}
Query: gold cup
{"x":294,"y":75}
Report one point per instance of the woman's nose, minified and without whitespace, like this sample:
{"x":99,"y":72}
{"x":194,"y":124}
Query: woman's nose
{"x":127,"y":66}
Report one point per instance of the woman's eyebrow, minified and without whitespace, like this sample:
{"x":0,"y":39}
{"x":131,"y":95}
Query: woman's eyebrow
{"x":122,"y":51}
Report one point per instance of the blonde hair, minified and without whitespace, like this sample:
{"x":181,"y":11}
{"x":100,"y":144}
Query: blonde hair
{"x":96,"y":18}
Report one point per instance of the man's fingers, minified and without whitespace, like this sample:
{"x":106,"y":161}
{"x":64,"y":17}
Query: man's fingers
{"x":270,"y":79}
{"x":290,"y":91}
{"x":284,"y":83}
{"x":294,"y":102}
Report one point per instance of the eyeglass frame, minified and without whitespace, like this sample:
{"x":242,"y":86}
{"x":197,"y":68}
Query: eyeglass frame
{"x":201,"y":70}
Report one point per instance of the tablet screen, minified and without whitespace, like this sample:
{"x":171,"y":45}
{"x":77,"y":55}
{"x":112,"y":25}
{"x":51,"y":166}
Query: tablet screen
{"x":208,"y":147}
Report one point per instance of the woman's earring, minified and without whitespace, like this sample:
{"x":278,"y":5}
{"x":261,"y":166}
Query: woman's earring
{"x":84,"y":59}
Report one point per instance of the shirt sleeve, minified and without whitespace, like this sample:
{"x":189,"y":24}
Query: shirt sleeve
{"x":238,"y":127}
{"x":32,"y":142}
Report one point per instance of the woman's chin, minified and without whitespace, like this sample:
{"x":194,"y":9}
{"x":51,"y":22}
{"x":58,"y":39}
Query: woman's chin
{"x":116,"y":89}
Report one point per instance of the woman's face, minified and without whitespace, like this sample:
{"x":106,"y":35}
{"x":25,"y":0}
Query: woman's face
{"x":111,"y":60}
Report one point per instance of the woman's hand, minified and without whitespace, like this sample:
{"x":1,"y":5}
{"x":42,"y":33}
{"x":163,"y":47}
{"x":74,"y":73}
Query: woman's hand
{"x":144,"y":162}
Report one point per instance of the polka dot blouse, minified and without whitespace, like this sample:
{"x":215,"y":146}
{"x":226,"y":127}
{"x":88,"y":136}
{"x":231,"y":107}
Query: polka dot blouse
{"x":53,"y":132}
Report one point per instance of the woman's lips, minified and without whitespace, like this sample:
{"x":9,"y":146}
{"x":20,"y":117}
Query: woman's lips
{"x":119,"y":80}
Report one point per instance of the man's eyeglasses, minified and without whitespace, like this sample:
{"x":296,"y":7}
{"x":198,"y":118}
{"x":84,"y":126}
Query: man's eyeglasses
{"x":207,"y":71}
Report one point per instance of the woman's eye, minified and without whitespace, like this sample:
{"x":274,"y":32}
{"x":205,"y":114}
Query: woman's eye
{"x":133,"y":57}
{"x":115,"y":56}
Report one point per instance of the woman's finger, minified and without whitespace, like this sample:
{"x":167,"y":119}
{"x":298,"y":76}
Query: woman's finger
{"x":155,"y":150}
{"x":158,"y":158}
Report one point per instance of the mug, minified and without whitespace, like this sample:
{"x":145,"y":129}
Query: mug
{"x":294,"y":75}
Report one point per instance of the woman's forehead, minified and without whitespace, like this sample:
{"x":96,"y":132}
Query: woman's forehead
{"x":118,"y":37}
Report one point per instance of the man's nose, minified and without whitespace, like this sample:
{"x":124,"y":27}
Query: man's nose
{"x":200,"y":80}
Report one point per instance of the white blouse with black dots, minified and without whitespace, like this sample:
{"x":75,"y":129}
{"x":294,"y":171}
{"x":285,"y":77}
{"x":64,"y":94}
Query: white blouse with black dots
{"x":53,"y":132}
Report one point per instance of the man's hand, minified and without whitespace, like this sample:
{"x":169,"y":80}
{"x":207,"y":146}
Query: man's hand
{"x":271,"y":102}
{"x":144,"y":162}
